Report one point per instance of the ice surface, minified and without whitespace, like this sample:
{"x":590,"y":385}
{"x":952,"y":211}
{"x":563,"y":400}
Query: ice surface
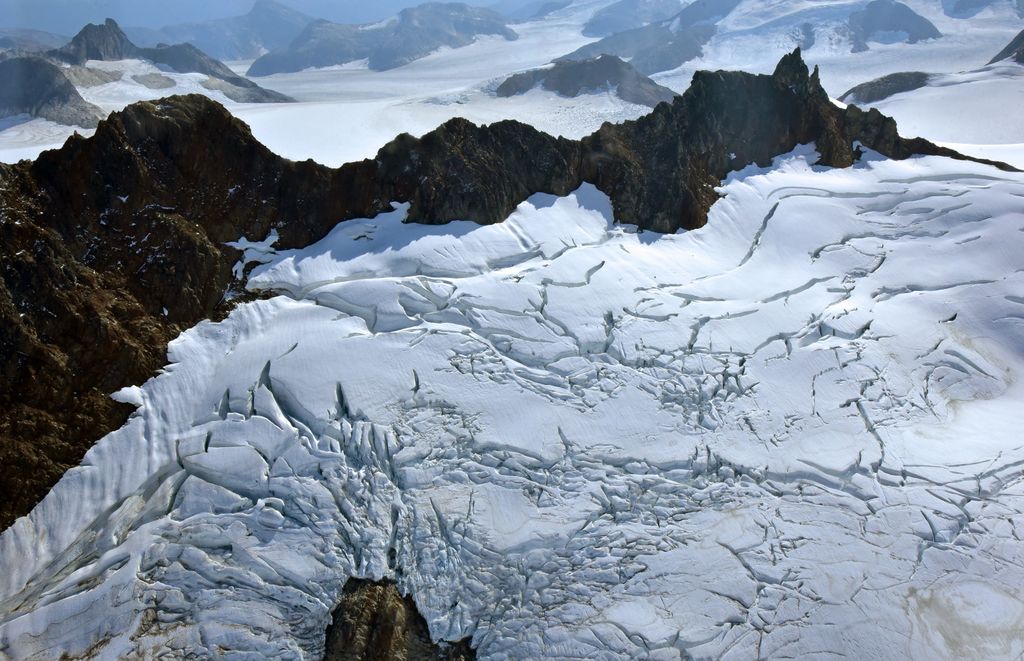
{"x":794,"y":432}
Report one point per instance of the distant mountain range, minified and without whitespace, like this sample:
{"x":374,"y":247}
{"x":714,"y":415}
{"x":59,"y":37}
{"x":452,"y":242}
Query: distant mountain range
{"x":44,"y":84}
{"x":412,"y":34}
{"x":30,"y":40}
{"x":655,"y":40}
{"x":885,"y":87}
{"x":267,"y":27}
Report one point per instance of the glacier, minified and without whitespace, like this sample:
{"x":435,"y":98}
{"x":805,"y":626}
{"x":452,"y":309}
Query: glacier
{"x":793,"y":432}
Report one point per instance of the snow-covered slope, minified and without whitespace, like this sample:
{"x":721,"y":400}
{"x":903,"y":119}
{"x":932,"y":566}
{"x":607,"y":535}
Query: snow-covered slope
{"x":966,"y":111}
{"x":790,"y":433}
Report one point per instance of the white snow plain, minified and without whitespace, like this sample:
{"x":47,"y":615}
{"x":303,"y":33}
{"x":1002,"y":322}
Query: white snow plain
{"x":792,"y":433}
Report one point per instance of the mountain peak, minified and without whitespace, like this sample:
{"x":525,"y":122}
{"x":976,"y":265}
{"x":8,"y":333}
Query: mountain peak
{"x":104,"y":41}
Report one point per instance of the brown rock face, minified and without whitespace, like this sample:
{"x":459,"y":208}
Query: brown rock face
{"x":374,"y":621}
{"x":112,"y":245}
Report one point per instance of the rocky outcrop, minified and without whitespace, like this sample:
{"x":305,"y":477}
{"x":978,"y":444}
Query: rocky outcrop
{"x":413,"y":34}
{"x":666,"y":44}
{"x":186,"y":58}
{"x":888,"y":21}
{"x":86,"y":77}
{"x":267,"y":27}
{"x":374,"y":621}
{"x":112,"y":245}
{"x":886,"y":86}
{"x":1014,"y":50}
{"x":605,"y":73}
{"x":108,"y":42}
{"x":36,"y":87}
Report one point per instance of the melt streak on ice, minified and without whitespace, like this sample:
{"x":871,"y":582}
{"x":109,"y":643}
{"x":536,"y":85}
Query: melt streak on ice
{"x":793,"y":432}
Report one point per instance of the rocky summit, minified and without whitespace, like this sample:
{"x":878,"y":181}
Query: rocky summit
{"x":114,"y":244}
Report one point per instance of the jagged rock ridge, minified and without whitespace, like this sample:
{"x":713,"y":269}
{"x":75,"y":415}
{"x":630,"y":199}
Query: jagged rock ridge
{"x":605,"y":73}
{"x":114,"y":244}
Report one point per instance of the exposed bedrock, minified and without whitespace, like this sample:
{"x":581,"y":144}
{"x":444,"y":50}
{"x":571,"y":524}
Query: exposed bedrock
{"x":112,"y":245}
{"x":374,"y":621}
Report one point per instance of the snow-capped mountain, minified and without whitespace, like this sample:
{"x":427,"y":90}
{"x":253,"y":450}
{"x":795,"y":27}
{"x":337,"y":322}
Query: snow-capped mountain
{"x":108,"y":43}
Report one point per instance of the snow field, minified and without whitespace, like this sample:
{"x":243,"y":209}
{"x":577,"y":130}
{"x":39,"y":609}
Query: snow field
{"x":792,"y":432}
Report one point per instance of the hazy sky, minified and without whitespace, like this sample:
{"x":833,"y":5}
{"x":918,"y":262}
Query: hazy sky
{"x":68,"y":16}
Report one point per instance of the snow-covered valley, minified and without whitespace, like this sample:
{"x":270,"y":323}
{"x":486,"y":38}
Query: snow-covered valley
{"x":790,"y":433}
